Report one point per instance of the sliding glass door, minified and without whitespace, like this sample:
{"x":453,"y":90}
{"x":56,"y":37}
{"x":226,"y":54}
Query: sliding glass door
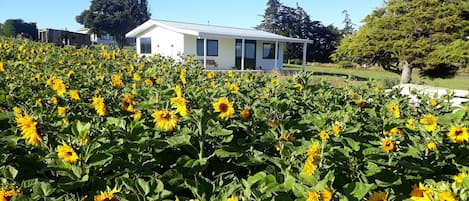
{"x":249,"y":54}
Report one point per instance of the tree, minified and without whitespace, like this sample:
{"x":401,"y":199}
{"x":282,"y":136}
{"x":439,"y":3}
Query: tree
{"x":408,"y":34}
{"x":115,"y":17}
{"x":348,"y":25}
{"x":17,"y":27}
{"x":296,"y":23}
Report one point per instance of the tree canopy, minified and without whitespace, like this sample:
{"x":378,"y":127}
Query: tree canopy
{"x":407,"y":34}
{"x":296,"y":23}
{"x":115,"y":17}
{"x":18,"y":27}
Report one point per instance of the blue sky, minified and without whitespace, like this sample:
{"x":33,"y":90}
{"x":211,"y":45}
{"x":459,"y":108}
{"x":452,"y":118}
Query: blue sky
{"x":60,"y":14}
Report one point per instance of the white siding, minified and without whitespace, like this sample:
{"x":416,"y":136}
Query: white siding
{"x":226,"y":51}
{"x":163,"y":41}
{"x":268,"y":64}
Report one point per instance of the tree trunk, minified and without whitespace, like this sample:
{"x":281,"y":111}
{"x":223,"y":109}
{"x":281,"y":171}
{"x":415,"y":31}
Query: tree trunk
{"x":406,"y":74}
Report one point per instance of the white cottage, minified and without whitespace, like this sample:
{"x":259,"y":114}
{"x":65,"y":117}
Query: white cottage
{"x":217,"y":47}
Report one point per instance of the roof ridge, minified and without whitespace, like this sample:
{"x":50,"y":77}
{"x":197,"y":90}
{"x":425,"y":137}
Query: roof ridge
{"x":193,"y":23}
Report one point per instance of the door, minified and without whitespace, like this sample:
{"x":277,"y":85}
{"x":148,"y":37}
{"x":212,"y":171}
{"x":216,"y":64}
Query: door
{"x":249,"y":54}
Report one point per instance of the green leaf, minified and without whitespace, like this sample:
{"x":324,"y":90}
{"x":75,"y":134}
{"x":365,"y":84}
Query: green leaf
{"x":179,"y":140}
{"x":218,"y":132}
{"x":116,"y":122}
{"x":9,"y":172}
{"x":352,"y":143}
{"x":80,"y":129}
{"x":255,"y":178}
{"x":226,"y":154}
{"x":20,"y":198}
{"x":465,"y":182}
{"x":43,"y":189}
{"x":144,"y":186}
{"x":358,"y":189}
{"x":289,"y":182}
{"x":99,"y":159}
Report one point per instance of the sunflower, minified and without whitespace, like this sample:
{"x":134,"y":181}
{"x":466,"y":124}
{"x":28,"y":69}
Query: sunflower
{"x":378,"y":196}
{"x":136,"y":77}
{"x":431,"y":146}
{"x":54,"y":100}
{"x":299,"y":87}
{"x":180,"y":103}
{"x":74,"y":95}
{"x":360,"y":103}
{"x":2,"y":67}
{"x":446,"y":196}
{"x":388,"y":145}
{"x":245,"y":113}
{"x":433,"y":102}
{"x":61,"y":111}
{"x":224,"y":107}
{"x":59,"y":87}
{"x":420,"y":193}
{"x":324,"y":135}
{"x":107,"y":196}
{"x":326,"y":195}
{"x":336,"y":129}
{"x":460,"y":177}
{"x":394,"y":109}
{"x":232,"y":198}
{"x":233,"y":88}
{"x":410,"y":124}
{"x":148,"y":82}
{"x":210,"y":75}
{"x":165,"y":119}
{"x":28,"y":129}
{"x":309,"y":167}
{"x":312,"y":196}
{"x":116,"y":81}
{"x":67,"y":153}
{"x":127,"y":103}
{"x":429,"y":122}
{"x":99,"y":105}
{"x":6,"y":195}
{"x":458,"y":134}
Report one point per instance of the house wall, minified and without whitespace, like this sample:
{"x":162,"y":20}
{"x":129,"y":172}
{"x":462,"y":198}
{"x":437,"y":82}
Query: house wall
{"x":226,"y":51}
{"x":268,"y":64}
{"x":163,"y":41}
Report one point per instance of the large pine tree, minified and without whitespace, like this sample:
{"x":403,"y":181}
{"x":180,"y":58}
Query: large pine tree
{"x":408,"y":34}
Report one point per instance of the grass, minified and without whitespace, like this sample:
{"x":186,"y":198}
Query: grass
{"x":386,"y":78}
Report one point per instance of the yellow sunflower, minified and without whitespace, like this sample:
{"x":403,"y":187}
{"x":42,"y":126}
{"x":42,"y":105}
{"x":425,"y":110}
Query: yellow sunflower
{"x":232,"y":198}
{"x":336,"y":128}
{"x":326,"y":195}
{"x":458,"y":134}
{"x":67,"y":153}
{"x":431,"y":146}
{"x":460,"y":177}
{"x":28,"y":129}
{"x":312,"y":196}
{"x":224,"y":107}
{"x":446,"y":196}
{"x":388,"y":145}
{"x":99,"y":105}
{"x":360,"y":103}
{"x":429,"y":122}
{"x":6,"y":195}
{"x":165,"y":119}
{"x":210,"y":75}
{"x":433,"y":102}
{"x":2,"y":67}
{"x":421,"y":193}
{"x":394,"y":109}
{"x":61,"y":111}
{"x":107,"y":196}
{"x":378,"y":196}
{"x":324,"y":135}
{"x":74,"y":95}
{"x":410,"y":124}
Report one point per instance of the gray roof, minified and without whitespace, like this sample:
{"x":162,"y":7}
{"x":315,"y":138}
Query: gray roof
{"x":204,"y":31}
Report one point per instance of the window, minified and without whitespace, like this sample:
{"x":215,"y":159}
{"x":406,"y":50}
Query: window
{"x":268,"y":51}
{"x":212,"y":47}
{"x":145,"y":45}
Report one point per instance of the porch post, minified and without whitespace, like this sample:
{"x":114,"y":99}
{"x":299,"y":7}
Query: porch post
{"x":205,"y":53}
{"x":276,"y":55}
{"x":305,"y":46}
{"x":242,"y":54}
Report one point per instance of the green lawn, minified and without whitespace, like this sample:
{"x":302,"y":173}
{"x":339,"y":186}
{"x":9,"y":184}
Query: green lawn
{"x":386,"y":78}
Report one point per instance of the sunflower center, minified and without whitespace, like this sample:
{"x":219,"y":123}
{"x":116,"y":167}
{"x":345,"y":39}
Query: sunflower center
{"x":223,"y":107}
{"x":68,"y":153}
{"x":458,"y":132}
{"x":166,"y":115}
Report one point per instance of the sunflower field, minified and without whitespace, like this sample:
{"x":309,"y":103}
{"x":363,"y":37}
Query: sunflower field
{"x":102,"y":124}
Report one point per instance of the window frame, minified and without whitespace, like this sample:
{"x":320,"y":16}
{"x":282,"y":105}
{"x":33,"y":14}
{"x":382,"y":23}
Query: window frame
{"x":145,"y":48}
{"x":210,"y":43}
{"x":270,"y":55}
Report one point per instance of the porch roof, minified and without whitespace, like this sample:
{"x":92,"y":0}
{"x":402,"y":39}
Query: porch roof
{"x":205,"y":31}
